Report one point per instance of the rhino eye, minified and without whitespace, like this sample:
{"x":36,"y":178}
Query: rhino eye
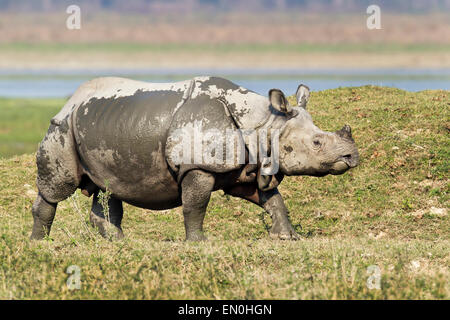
{"x":317,"y":143}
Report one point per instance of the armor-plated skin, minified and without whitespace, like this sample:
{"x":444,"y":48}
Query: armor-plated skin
{"x":120,"y":135}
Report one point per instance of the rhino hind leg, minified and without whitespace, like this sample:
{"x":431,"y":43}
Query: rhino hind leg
{"x":109,"y":226}
{"x":196,"y":188}
{"x":43,"y":215}
{"x":57,"y":176}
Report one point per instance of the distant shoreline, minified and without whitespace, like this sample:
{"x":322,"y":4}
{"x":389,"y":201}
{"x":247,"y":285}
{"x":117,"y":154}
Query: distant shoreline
{"x":123,"y":56}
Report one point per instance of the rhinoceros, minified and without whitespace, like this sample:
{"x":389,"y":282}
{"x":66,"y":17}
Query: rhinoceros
{"x":120,"y":135}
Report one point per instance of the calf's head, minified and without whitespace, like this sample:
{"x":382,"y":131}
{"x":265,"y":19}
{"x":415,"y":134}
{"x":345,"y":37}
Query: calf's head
{"x":304,"y":149}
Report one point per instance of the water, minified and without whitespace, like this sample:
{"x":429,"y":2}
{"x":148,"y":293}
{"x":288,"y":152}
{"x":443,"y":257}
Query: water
{"x":60,"y":83}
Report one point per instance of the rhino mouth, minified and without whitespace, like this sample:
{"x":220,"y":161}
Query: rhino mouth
{"x":339,"y":167}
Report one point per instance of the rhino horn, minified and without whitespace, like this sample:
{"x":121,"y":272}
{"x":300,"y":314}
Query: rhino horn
{"x":345,"y":132}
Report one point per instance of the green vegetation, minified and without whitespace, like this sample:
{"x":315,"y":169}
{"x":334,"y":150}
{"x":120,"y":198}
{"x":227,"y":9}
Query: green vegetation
{"x":391,"y":212}
{"x":24,"y":122}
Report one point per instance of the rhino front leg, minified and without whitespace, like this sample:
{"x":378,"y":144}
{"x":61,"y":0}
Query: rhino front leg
{"x":273,"y":203}
{"x":282,"y":228}
{"x":109,"y":227}
{"x":196,"y":188}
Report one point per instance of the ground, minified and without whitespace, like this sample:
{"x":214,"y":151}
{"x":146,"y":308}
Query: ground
{"x":390,"y":212}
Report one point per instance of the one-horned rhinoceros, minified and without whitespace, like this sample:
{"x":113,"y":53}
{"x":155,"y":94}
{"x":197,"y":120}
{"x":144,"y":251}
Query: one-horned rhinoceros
{"x":134,"y":139}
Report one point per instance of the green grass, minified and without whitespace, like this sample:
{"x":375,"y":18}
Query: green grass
{"x":382,"y":213}
{"x":23,"y":123}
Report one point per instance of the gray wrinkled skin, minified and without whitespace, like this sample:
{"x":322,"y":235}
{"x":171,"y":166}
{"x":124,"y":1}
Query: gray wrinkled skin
{"x":119,"y":134}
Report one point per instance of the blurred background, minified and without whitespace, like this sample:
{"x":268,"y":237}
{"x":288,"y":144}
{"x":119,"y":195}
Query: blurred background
{"x":259,"y":44}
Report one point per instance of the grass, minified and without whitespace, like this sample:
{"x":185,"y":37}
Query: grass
{"x":390,"y":212}
{"x":23,"y":123}
{"x":223,"y":48}
{"x":298,"y":54}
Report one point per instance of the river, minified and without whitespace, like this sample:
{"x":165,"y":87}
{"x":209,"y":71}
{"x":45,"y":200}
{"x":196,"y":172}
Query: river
{"x":62,"y":83}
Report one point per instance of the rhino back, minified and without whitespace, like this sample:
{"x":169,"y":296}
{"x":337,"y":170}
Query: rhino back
{"x":249,"y":109}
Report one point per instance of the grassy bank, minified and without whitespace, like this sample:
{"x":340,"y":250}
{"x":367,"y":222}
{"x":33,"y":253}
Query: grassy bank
{"x":23,"y":123}
{"x":391,"y":212}
{"x":25,"y":55}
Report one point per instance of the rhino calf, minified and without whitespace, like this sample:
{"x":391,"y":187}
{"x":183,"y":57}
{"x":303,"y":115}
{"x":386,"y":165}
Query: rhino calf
{"x":122,"y":135}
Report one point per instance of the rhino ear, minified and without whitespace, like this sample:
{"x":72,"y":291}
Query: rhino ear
{"x":302,"y":95}
{"x":279,"y":101}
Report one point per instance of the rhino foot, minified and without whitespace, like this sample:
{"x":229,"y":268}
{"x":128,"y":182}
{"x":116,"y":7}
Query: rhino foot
{"x":283,"y":233}
{"x":196,"y":236}
{"x":105,"y":228}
